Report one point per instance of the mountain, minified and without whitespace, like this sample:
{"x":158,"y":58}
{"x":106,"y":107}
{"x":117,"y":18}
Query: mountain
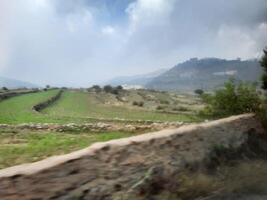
{"x":140,"y":80}
{"x":207,"y":74}
{"x":13,"y":83}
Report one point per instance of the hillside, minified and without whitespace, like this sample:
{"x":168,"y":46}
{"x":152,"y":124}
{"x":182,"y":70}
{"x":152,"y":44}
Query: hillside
{"x":136,"y":80}
{"x":13,"y":83}
{"x":207,"y":74}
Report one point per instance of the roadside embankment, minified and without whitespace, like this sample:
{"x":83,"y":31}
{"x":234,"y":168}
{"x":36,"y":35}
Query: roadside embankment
{"x":137,"y":167}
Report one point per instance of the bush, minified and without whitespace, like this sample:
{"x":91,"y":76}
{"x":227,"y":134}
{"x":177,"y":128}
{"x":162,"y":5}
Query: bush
{"x":180,"y":108}
{"x":160,"y":107}
{"x":119,"y":87}
{"x":233,"y":99}
{"x":140,"y":103}
{"x":199,"y":92}
{"x":115,"y":91}
{"x":108,"y":88}
{"x":164,"y":102}
{"x":5,"y":88}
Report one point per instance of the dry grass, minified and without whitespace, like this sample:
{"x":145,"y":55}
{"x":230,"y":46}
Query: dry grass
{"x":247,"y":178}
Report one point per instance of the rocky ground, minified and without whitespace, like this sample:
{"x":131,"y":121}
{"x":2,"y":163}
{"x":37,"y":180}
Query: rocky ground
{"x":97,"y":127}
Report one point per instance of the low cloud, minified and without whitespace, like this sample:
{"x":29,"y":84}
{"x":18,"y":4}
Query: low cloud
{"x":80,"y":42}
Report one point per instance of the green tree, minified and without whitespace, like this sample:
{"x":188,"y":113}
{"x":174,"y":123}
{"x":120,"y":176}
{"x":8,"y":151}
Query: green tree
{"x":5,"y":88}
{"x":108,"y":88}
{"x":96,"y":88}
{"x":264,"y":65}
{"x":199,"y":91}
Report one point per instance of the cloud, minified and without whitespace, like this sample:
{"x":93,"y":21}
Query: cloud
{"x":108,"y":30}
{"x":80,"y":42}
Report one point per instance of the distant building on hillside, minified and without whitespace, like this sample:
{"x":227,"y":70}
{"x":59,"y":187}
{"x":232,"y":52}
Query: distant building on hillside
{"x":135,"y":87}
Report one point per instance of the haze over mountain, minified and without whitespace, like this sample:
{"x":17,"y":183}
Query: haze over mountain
{"x":13,"y":83}
{"x":207,"y":74}
{"x":141,"y":79}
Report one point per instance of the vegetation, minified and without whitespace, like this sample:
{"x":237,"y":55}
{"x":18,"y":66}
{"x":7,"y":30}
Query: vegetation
{"x":19,"y":109}
{"x":244,"y":180}
{"x":108,"y":88}
{"x":264,"y":65}
{"x":76,"y":106}
{"x":5,"y":88}
{"x":95,"y":88}
{"x":234,"y":98}
{"x":199,"y":91}
{"x":113,"y":90}
{"x":140,"y":103}
{"x":214,"y":72}
{"x":18,"y":146}
{"x":81,"y":105}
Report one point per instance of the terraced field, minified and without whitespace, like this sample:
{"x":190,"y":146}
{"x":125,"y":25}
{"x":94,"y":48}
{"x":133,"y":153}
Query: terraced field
{"x":80,"y":107}
{"x":19,"y":145}
{"x":105,"y":106}
{"x":19,"y":109}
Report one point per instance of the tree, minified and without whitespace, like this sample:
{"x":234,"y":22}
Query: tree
{"x":108,"y":88}
{"x":96,"y":88}
{"x":199,"y":91}
{"x":119,"y":87}
{"x":47,"y":86}
{"x":263,"y":63}
{"x":5,"y":88}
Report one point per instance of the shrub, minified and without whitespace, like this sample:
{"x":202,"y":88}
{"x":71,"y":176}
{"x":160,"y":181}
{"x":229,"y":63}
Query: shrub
{"x":115,"y":91}
{"x":160,"y":107}
{"x":119,"y":87}
{"x":180,"y":108}
{"x":5,"y":88}
{"x":108,"y":88}
{"x":164,"y":102}
{"x":140,"y":103}
{"x":233,"y":99}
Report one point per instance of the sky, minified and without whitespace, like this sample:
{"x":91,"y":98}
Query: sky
{"x":81,"y":42}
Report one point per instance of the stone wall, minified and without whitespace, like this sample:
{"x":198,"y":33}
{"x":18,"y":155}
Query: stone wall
{"x":127,"y":168}
{"x":95,"y":127}
{"x":40,"y":106}
{"x":10,"y":94}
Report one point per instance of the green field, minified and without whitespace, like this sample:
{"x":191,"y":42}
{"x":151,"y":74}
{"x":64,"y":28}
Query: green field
{"x":22,"y":146}
{"x":77,"y":106}
{"x":19,"y":109}
{"x":82,"y":104}
{"x":80,"y":107}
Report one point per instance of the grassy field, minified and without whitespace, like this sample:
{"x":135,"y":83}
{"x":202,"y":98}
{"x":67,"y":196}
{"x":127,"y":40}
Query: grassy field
{"x":22,"y":146}
{"x":82,"y":104}
{"x":19,"y":109}
{"x":80,"y":107}
{"x":76,"y":106}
